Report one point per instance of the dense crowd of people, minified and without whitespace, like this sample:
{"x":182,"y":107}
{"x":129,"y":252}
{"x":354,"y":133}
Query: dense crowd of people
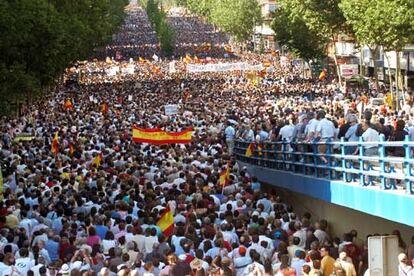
{"x":134,"y":39}
{"x":91,"y":206}
{"x":196,"y":37}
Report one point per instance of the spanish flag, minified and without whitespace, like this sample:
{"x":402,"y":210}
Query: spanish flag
{"x":141,"y":60}
{"x":224,"y":179}
{"x":97,"y":160}
{"x":68,"y":104}
{"x":250,"y":150}
{"x":71,"y":149}
{"x":166,"y":222}
{"x":188,"y":59}
{"x":322,"y":75}
{"x":55,"y":144}
{"x":259,"y":150}
{"x":104,"y":108}
{"x":157,"y":136}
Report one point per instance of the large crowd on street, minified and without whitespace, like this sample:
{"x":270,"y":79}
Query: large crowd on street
{"x":91,"y":205}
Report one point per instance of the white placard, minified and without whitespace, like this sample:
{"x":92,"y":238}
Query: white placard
{"x":171,"y":109}
{"x":130,"y":98}
{"x":171,"y":67}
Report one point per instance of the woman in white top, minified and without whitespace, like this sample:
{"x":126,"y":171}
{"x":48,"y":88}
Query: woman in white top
{"x":108,"y":242}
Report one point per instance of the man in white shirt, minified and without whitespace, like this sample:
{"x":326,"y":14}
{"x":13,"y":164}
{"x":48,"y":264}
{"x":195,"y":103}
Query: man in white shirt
{"x":369,"y":135}
{"x":310,"y":129}
{"x":24,"y":263}
{"x":325,"y":130}
{"x":254,"y":268}
{"x":241,"y":262}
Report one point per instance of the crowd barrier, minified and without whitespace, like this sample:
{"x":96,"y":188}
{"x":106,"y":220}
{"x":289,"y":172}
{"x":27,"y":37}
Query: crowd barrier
{"x":331,"y":160}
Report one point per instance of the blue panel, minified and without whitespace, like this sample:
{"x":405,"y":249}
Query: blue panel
{"x":388,"y":204}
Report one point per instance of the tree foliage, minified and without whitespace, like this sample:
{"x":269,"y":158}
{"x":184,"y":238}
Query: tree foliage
{"x":292,"y":32}
{"x":40,"y":38}
{"x":388,"y":23}
{"x":236,"y":17}
{"x":165,"y":33}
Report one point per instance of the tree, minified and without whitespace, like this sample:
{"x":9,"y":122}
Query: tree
{"x":323,"y":17}
{"x":387,"y":23}
{"x":237,"y":17}
{"x":293,"y":33}
{"x":40,"y":38}
{"x":165,"y":33}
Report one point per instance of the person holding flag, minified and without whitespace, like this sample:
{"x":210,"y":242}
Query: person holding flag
{"x":224,"y":179}
{"x":104,"y":108}
{"x":97,"y":161}
{"x":55,"y":144}
{"x":322,"y":75}
{"x":68,"y":104}
{"x":166,"y":222}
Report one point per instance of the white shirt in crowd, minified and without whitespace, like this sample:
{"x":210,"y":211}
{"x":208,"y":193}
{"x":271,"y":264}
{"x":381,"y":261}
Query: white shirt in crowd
{"x":370,"y":135}
{"x":326,"y":128}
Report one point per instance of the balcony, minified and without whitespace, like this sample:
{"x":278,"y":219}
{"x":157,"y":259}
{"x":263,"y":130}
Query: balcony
{"x":379,"y":185}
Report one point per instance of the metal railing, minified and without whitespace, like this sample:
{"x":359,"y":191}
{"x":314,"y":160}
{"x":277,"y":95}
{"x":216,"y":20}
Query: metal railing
{"x":335,"y":160}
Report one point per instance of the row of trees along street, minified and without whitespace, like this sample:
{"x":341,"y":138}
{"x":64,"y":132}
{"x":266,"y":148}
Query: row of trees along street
{"x":40,"y":38}
{"x":306,"y":27}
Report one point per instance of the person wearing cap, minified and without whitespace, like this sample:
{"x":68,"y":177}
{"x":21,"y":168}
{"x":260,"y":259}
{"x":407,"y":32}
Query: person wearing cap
{"x":298,"y":261}
{"x":240,"y":263}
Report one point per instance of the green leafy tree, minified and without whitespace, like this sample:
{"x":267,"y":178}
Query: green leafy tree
{"x":165,"y":33}
{"x":237,"y":17}
{"x":292,"y":32}
{"x":387,"y":23}
{"x":40,"y":38}
{"x":323,"y":17}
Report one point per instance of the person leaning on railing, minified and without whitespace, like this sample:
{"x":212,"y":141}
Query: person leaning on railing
{"x":369,"y":135}
{"x":351,"y":134}
{"x":398,"y":135}
{"x":325,"y":131}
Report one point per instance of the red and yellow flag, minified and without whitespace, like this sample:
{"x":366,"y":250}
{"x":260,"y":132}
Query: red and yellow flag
{"x":188,"y":59}
{"x":104,"y":108}
{"x":71,"y":149}
{"x":141,"y":60}
{"x":322,"y":75}
{"x":224,"y":179}
{"x":250,"y":150}
{"x":97,"y":160}
{"x":259,"y":150}
{"x":166,"y":222}
{"x":157,"y":136}
{"x":55,"y":144}
{"x":68,"y":104}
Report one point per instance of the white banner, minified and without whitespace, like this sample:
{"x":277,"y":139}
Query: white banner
{"x":348,"y":70}
{"x":112,"y":71}
{"x":171,"y":109}
{"x":223,"y":67}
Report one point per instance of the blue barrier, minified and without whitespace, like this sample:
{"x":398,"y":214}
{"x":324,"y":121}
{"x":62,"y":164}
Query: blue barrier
{"x":331,"y":160}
